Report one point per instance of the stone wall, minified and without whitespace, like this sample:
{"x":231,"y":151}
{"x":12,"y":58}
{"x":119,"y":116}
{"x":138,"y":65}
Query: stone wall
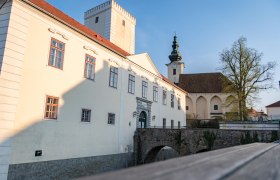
{"x":149,"y":142}
{"x":70,"y":168}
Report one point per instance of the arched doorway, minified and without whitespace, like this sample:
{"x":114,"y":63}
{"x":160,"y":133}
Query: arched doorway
{"x":143,"y":119}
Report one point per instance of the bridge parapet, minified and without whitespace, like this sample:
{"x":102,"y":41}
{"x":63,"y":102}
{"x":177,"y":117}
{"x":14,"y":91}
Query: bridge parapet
{"x":149,"y":141}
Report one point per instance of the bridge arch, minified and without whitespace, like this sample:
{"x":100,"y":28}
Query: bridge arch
{"x":152,"y":153}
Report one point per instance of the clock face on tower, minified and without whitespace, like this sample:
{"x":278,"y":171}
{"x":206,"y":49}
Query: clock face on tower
{"x":174,"y":65}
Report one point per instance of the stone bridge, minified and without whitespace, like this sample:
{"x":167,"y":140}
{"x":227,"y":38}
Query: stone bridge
{"x":149,"y":141}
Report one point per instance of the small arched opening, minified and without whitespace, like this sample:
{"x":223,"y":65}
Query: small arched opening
{"x":216,"y":108}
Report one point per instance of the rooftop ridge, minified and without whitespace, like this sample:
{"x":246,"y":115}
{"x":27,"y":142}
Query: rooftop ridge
{"x":57,"y":14}
{"x":202,"y":73}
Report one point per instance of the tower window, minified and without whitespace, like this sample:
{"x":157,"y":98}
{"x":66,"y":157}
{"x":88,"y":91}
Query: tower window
{"x":123,"y":22}
{"x":96,"y":19}
{"x":174,"y":71}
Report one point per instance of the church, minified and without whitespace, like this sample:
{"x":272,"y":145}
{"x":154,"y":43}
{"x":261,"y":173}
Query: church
{"x":206,"y":97}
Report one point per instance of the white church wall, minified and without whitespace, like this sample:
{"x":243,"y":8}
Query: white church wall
{"x":201,"y":105}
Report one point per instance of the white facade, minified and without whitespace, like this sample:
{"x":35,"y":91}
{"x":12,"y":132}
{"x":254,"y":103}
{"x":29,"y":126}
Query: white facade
{"x":273,"y":113}
{"x":26,"y":80}
{"x":114,"y":23}
{"x":209,"y":105}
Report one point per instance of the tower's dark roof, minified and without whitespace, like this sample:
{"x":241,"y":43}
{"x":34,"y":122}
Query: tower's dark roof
{"x":175,"y":54}
{"x":202,"y":82}
{"x":276,"y":104}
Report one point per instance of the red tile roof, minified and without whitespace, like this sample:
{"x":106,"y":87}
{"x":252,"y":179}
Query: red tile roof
{"x":61,"y":16}
{"x":202,"y":82}
{"x":276,"y":104}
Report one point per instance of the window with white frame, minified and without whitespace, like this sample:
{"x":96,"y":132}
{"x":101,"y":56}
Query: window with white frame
{"x":89,"y":67}
{"x":155,"y":94}
{"x":111,"y":118}
{"x":144,"y":89}
{"x":172,"y":100}
{"x":56,"y":53}
{"x":113,"y":82}
{"x":86,"y":113}
{"x":164,"y":97}
{"x":131,"y":84}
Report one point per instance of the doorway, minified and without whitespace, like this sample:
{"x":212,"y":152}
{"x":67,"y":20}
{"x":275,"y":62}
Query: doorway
{"x":143,"y":119}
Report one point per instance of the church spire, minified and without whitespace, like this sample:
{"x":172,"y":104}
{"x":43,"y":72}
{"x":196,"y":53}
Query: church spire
{"x":175,"y":55}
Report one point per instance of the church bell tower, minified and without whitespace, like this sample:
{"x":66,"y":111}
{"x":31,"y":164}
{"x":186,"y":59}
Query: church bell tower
{"x":176,"y":66}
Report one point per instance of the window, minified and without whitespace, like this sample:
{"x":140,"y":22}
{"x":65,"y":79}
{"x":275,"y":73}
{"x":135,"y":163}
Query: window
{"x":155,"y":94}
{"x":172,"y":124}
{"x":113,"y":77}
{"x":172,"y":100}
{"x":123,"y":22}
{"x":144,"y":89}
{"x":89,"y":67}
{"x":179,"y":125}
{"x":179,"y":103}
{"x":187,"y":108}
{"x":164,"y":123}
{"x":164,"y":97}
{"x":216,"y":107}
{"x":111,"y":118}
{"x":96,"y":19}
{"x":174,"y":71}
{"x":51,"y":107}
{"x":86,"y":113}
{"x":56,"y":54}
{"x":131,"y":84}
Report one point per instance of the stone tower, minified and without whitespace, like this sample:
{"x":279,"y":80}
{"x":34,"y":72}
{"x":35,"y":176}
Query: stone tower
{"x":176,"y":66}
{"x":114,"y":23}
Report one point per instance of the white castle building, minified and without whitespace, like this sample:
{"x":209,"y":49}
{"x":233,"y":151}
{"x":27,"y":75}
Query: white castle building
{"x":70,"y":99}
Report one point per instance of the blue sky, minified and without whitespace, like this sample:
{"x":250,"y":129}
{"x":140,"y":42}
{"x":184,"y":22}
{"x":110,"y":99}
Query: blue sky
{"x":204,"y":28}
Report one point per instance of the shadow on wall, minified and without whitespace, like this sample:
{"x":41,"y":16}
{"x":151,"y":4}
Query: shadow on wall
{"x":66,"y":147}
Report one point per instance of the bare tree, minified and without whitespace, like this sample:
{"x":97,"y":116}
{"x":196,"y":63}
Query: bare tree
{"x":247,"y":76}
